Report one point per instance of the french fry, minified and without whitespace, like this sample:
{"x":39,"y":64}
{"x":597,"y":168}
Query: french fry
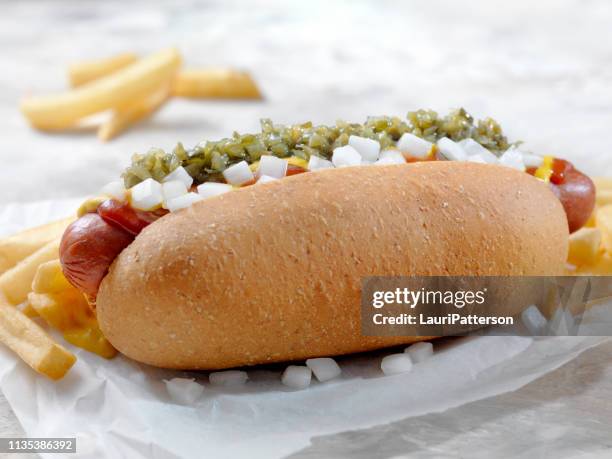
{"x":601,"y":267}
{"x":64,"y":308}
{"x":603,"y":186}
{"x":49,"y":278}
{"x":604,"y":197}
{"x":30,"y":342}
{"x":85,"y":71}
{"x":127,"y":84}
{"x":16,"y":283}
{"x":126,"y":116}
{"x":602,"y":183}
{"x":592,"y":221}
{"x":604,"y":223}
{"x":584,"y":246}
{"x":28,"y":310}
{"x":15,"y":248}
{"x":215,"y":84}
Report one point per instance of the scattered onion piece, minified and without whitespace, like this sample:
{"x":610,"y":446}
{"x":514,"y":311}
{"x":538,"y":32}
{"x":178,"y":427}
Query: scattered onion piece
{"x":184,"y":201}
{"x":324,"y":368}
{"x":369,"y":149}
{"x":296,"y":377}
{"x":450,"y":150}
{"x":414,"y":146}
{"x":266,"y":179}
{"x":238,"y":174}
{"x":183,"y":390}
{"x":210,"y":189}
{"x":272,"y":166}
{"x":115,"y":190}
{"x":173,"y":189}
{"x":180,"y":174}
{"x":346,"y":156}
{"x":147,"y":195}
{"x":315,"y":163}
{"x":395,"y":364}
{"x":419,"y":352}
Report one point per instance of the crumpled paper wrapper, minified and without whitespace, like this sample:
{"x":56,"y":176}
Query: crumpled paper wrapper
{"x":119,"y":408}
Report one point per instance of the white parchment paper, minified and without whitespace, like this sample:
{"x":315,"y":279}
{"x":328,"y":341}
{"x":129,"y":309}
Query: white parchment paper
{"x":120,"y":408}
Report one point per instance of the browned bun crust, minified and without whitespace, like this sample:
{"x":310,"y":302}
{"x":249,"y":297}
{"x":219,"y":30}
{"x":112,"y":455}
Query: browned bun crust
{"x":272,"y":272}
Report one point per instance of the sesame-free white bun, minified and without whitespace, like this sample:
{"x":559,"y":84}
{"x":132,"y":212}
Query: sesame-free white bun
{"x":273,"y":272}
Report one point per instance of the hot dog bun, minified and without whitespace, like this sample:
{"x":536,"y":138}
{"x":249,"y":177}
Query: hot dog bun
{"x":272,"y":272}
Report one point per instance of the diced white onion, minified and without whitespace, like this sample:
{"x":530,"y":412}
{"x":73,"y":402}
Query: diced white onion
{"x":182,"y":202}
{"x":391,"y":157}
{"x":238,"y":174}
{"x":179,"y":174}
{"x":296,"y":377}
{"x":369,"y":149}
{"x":183,"y":390}
{"x":315,"y":163}
{"x":346,"y":156}
{"x":472,"y":148}
{"x":451,"y":150}
{"x":210,"y":189}
{"x":229,"y":378}
{"x":324,"y":368}
{"x":266,"y":179}
{"x":531,"y":160}
{"x":534,"y":321}
{"x":147,"y":195}
{"x":419,"y":352}
{"x":413,"y":145}
{"x":272,"y":166}
{"x":512,"y":158}
{"x":115,"y":190}
{"x":173,"y":189}
{"x":395,"y":364}
{"x":476,"y":159}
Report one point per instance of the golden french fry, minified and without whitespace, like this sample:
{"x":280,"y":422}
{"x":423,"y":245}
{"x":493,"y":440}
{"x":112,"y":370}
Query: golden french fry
{"x":584,"y":246}
{"x":49,"y":278}
{"x":85,"y":71}
{"x":32,"y":343}
{"x":66,"y":309}
{"x":28,"y":310}
{"x":127,"y":84}
{"x":601,"y":267}
{"x":16,"y":283}
{"x":15,"y":248}
{"x":127,"y":115}
{"x":602,"y":183}
{"x":604,"y":223}
{"x":604,"y":197}
{"x":592,"y":221}
{"x":215,"y":83}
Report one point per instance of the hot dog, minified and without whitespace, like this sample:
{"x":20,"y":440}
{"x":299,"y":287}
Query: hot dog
{"x":91,"y":243}
{"x":151,"y":272}
{"x":268,"y":275}
{"x":88,"y":248}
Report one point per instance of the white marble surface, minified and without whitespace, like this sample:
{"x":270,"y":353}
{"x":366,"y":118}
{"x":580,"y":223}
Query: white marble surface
{"x":543,"y":69}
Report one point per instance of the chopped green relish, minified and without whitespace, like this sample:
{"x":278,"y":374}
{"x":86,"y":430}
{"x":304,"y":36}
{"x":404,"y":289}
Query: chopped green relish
{"x":207,"y":160}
